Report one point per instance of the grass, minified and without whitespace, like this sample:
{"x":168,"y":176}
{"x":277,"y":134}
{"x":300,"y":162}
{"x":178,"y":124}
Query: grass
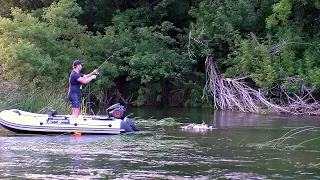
{"x":38,"y":101}
{"x":44,"y":101}
{"x":284,"y":141}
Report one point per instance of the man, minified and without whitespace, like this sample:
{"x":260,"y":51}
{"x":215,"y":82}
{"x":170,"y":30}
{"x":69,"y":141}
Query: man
{"x":76,"y":80}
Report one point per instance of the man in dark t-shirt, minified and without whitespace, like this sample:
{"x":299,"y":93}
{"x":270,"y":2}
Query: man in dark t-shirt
{"x":76,"y":80}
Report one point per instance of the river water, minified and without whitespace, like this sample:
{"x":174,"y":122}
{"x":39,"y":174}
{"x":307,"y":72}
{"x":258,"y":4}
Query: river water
{"x":241,"y":146}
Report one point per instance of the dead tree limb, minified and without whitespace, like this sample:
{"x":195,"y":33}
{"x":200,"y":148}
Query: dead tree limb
{"x":231,"y":94}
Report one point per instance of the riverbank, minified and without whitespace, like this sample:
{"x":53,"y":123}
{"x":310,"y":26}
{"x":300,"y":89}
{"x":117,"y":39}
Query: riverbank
{"x":43,"y":100}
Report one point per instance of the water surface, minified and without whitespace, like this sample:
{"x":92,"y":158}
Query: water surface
{"x":236,"y":149}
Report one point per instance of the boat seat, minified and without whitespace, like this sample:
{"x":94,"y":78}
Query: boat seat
{"x":52,"y":113}
{"x":16,"y":111}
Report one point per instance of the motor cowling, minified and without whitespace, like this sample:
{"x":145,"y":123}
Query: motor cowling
{"x":131,"y":124}
{"x":117,"y":111}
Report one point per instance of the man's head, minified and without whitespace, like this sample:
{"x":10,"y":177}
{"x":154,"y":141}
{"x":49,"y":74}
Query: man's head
{"x":77,"y":65}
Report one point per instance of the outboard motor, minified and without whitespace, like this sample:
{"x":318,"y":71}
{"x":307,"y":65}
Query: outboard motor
{"x":117,"y":111}
{"x":131,"y":124}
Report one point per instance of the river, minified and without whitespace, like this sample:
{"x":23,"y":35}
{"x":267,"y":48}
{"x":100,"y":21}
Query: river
{"x":241,"y":146}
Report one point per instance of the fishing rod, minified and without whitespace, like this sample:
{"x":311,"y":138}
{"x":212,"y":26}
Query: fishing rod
{"x":112,"y":56}
{"x":97,"y":74}
{"x":105,"y":62}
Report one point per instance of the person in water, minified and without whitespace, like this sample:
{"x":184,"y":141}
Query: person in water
{"x":76,"y":80}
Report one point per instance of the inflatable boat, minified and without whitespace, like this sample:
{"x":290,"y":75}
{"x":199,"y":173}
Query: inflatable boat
{"x":26,"y":122}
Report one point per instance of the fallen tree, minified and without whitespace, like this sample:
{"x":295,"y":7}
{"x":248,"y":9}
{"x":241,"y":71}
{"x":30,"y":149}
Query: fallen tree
{"x":232,"y":94}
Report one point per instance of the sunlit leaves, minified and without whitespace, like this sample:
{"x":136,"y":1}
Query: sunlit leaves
{"x":256,"y":62}
{"x":281,"y":12}
{"x":34,"y":50}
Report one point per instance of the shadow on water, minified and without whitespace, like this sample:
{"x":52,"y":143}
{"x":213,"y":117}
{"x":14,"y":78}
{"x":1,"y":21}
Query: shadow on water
{"x":230,"y":151}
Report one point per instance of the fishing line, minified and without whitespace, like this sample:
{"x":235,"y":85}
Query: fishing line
{"x":89,"y":86}
{"x":112,"y":56}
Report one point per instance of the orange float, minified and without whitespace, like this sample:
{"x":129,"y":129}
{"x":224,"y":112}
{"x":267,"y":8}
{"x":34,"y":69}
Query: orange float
{"x":77,"y":133}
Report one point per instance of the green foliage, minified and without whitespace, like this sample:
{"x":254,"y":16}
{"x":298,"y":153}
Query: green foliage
{"x":295,"y":14}
{"x":265,"y":40}
{"x":221,"y":24}
{"x":289,"y":49}
{"x":281,"y":12}
{"x":196,"y":97}
{"x":147,"y":54}
{"x":40,"y":48}
{"x":267,"y":70}
{"x":256,"y":62}
{"x":141,"y":97}
{"x":291,"y":86}
{"x":10,"y":95}
{"x":311,"y":64}
{"x":6,"y":5}
{"x":62,"y":15}
{"x":40,"y":51}
{"x":213,"y":25}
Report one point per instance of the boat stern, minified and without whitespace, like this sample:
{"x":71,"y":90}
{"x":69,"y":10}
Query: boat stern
{"x":128,"y":125}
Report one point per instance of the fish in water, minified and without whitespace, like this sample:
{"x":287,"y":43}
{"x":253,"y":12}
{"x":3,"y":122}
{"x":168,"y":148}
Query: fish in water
{"x":197,"y":126}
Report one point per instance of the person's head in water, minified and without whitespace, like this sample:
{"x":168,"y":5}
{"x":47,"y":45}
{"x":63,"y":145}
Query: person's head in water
{"x":77,"y":65}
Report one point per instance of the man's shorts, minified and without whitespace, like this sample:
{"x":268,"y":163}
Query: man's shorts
{"x":75,"y":98}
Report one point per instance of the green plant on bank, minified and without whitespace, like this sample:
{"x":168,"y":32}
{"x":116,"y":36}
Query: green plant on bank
{"x":197,"y":96}
{"x":37,"y":100}
{"x":10,"y":96}
{"x":43,"y":101}
{"x":84,"y":107}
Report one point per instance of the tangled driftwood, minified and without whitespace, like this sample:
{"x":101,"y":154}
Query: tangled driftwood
{"x":231,"y":94}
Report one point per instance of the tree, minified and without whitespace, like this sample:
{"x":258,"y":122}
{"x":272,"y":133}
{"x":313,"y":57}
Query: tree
{"x":28,"y":6}
{"x":41,"y":50}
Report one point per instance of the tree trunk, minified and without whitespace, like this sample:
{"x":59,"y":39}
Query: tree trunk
{"x":91,"y":18}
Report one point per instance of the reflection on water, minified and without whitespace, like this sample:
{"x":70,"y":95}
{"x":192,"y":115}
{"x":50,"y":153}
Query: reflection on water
{"x":232,"y":119}
{"x":221,"y":119}
{"x":230,"y":151}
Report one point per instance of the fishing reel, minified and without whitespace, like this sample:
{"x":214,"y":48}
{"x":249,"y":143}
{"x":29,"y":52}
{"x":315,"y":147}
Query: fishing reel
{"x":97,"y":74}
{"x":117,"y":111}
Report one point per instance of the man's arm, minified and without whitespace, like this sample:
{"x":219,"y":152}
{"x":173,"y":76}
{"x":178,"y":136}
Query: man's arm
{"x":85,"y":76}
{"x":83,"y":80}
{"x":95,"y":72}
